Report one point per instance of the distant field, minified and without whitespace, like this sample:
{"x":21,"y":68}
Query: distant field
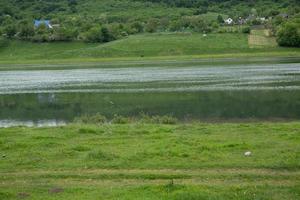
{"x":261,"y":39}
{"x":151,"y":161}
{"x":142,"y":47}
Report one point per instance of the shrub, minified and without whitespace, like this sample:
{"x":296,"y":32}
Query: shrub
{"x":166,"y":119}
{"x":289,"y":35}
{"x":152,"y":25}
{"x":118,"y":119}
{"x":220,"y":19}
{"x":277,"y":21}
{"x":113,"y":32}
{"x":246,"y":30}
{"x":3,"y":42}
{"x":256,"y":22}
{"x":99,"y":119}
{"x":175,"y":26}
{"x":93,"y":35}
{"x":42,"y":29}
{"x":273,"y":13}
{"x":26,"y":31}
{"x":81,"y":120}
{"x":10,"y":31}
{"x":65,"y":34}
{"x":221,"y":30}
{"x":40,"y":38}
{"x":107,"y":35}
{"x":97,"y":34}
{"x":197,"y":24}
{"x":215,"y":25}
{"x":201,"y":10}
{"x":136,"y":27}
{"x":91,"y":119}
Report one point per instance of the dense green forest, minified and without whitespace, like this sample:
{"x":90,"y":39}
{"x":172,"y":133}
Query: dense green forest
{"x":107,"y":20}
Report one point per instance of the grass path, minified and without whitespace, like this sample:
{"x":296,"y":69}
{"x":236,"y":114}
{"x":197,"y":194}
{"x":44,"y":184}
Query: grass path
{"x":154,"y":176}
{"x":151,"y":184}
{"x":188,"y":172}
{"x":151,"y":178}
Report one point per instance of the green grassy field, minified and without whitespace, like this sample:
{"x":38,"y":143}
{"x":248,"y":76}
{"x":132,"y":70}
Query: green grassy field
{"x":151,"y":161}
{"x":168,"y":45}
{"x":141,"y":47}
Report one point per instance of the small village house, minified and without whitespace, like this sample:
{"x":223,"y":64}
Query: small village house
{"x":38,"y":23}
{"x":284,"y":15}
{"x":228,"y":21}
{"x":241,"y":21}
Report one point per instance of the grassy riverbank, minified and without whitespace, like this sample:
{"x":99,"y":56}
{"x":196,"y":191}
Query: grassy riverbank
{"x":175,"y":46}
{"x":151,"y":161}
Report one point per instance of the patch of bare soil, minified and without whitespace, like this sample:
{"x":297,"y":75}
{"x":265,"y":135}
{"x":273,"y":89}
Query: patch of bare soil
{"x":56,"y":190}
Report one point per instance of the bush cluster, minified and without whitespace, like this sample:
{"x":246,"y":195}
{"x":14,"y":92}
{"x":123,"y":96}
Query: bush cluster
{"x":3,"y":42}
{"x":119,"y":119}
{"x":91,"y":119}
{"x":289,"y":34}
{"x":97,"y":31}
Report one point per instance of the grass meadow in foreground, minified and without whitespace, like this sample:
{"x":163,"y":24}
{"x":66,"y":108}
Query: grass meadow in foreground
{"x":141,"y":47}
{"x":151,"y":161}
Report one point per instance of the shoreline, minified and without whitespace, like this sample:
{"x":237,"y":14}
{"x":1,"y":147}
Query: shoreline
{"x":218,"y":57}
{"x":56,"y":123}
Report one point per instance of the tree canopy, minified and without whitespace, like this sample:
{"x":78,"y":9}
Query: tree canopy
{"x":107,"y":20}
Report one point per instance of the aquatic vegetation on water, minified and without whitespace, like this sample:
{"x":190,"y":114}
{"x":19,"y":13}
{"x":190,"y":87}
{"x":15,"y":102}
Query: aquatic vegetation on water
{"x":94,"y":119}
{"x":119,"y":119}
{"x":153,"y":79}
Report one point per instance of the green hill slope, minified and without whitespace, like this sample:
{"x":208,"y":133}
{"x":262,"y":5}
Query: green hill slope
{"x":141,"y":46}
{"x":167,"y":45}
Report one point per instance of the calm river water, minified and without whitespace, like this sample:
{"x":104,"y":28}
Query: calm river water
{"x":228,"y":92}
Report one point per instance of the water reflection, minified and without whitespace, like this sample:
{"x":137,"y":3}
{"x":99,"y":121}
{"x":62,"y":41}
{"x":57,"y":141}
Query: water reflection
{"x":46,"y":98}
{"x":203,"y":105}
{"x":240,"y":92}
{"x":39,"y":123}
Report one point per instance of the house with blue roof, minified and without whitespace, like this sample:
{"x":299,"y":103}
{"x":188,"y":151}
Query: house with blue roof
{"x":37,"y":23}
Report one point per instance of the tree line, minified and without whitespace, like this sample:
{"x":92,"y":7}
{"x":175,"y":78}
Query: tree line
{"x":17,"y":16}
